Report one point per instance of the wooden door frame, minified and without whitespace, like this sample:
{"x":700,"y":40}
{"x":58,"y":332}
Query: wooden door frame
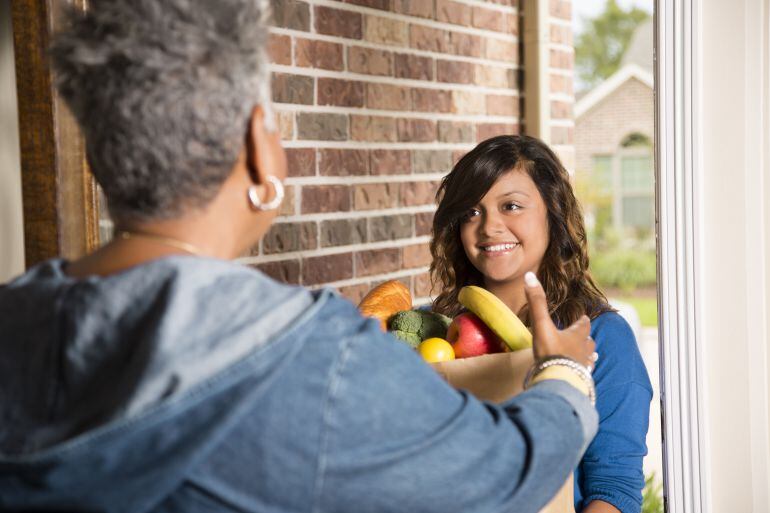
{"x":59,"y":196}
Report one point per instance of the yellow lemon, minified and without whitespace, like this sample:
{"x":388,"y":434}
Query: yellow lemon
{"x":435,"y":350}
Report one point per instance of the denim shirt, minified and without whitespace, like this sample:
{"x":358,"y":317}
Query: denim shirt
{"x":194,"y":385}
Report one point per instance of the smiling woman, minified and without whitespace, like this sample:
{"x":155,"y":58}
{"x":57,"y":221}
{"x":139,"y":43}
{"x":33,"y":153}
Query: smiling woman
{"x":506,"y":209}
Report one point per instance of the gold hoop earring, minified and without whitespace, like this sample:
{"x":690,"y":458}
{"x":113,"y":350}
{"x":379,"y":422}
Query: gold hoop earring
{"x":274,"y":203}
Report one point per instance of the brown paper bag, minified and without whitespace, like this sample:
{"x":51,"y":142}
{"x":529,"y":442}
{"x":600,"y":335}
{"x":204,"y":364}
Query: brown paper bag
{"x":496,"y":378}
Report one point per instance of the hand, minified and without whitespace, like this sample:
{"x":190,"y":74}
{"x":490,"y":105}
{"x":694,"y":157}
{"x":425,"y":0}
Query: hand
{"x":573,"y":342}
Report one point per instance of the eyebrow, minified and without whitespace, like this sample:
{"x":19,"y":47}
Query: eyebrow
{"x":511,"y":193}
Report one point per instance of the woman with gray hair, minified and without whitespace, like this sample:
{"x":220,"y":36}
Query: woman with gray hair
{"x":156,"y":375}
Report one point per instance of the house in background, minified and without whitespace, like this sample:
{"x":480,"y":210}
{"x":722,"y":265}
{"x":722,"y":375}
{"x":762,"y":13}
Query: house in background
{"x":614,"y":134}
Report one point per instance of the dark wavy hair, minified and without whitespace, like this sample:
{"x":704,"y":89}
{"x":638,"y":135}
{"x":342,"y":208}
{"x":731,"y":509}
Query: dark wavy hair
{"x":568,"y":285}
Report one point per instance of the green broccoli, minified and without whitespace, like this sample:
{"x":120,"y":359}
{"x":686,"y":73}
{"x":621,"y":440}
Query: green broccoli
{"x":414,"y":326}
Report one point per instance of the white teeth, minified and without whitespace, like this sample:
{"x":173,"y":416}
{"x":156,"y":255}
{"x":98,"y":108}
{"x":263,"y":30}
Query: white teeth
{"x":498,"y":247}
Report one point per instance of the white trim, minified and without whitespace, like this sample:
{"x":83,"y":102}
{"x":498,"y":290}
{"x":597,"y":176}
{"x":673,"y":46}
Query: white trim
{"x":607,"y":87}
{"x":679,"y":229}
{"x":755,"y":102}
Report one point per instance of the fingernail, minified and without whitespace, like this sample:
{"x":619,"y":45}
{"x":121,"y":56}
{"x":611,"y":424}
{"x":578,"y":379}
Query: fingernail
{"x":531,"y":280}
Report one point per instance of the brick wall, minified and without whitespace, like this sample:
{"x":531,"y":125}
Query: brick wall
{"x":376,"y":100}
{"x":629,"y":109}
{"x":560,"y":77}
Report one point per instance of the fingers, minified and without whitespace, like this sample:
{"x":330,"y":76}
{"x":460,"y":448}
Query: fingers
{"x":538,"y":305}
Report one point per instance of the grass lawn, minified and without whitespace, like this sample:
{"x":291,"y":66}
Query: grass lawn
{"x":646,"y":307}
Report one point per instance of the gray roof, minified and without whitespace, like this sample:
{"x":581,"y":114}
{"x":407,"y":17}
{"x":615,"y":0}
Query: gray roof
{"x":640,"y":50}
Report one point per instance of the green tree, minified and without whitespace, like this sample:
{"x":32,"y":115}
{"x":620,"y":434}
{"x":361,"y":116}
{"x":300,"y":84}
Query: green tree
{"x":600,"y":47}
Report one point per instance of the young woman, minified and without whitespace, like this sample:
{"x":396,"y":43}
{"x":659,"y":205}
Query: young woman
{"x":508,"y":208}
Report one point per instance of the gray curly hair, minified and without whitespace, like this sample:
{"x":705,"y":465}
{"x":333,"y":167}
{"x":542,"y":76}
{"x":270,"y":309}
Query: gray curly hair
{"x":163,"y":91}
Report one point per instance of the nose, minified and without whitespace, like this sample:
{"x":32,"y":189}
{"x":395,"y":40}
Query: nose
{"x":492,"y":224}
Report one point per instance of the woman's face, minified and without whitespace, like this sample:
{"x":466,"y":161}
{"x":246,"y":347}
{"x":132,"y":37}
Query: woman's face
{"x":506,"y":234}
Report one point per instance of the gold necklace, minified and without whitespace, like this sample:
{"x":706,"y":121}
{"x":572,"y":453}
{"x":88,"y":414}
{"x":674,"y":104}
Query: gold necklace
{"x":184,"y":246}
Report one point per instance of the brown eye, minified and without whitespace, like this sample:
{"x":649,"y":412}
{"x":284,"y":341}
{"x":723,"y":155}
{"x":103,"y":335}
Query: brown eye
{"x":470,"y":214}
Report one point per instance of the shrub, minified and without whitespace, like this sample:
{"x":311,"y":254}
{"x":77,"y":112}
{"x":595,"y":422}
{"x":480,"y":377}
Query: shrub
{"x":625,"y":269}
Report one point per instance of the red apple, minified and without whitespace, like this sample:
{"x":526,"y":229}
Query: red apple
{"x":469,"y":336}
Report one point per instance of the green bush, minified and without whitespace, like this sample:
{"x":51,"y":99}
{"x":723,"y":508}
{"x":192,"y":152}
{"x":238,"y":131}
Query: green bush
{"x":624,"y":269}
{"x":652,"y":495}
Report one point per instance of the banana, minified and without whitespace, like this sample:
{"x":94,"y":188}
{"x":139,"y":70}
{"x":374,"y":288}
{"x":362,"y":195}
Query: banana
{"x":497,"y":316}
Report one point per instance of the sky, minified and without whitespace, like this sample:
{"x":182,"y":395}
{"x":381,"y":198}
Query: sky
{"x":589,"y":8}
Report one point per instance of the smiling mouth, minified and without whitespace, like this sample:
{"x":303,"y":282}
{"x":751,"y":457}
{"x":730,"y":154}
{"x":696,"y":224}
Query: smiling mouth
{"x":498,"y":248}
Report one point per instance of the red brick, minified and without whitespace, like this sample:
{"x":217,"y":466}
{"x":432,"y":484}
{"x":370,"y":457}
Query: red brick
{"x":495,"y":76}
{"x":455,"y":131}
{"x":502,"y":105}
{"x":457,"y":155}
{"x":419,"y":8}
{"x":418,"y":193}
{"x":279,"y":49}
{"x":386,"y":31}
{"x":561,"y":84}
{"x":416,"y":255}
{"x":428,"y":38}
{"x":286,"y":271}
{"x":421,"y":285}
{"x":561,"y":110}
{"x":489,"y":19}
{"x":456,"y":72}
{"x":301,"y":161}
{"x":560,"y":9}
{"x":372,"y":196}
{"x":374,"y":4}
{"x":389,"y":228}
{"x":423,"y":223}
{"x":342,"y":162}
{"x":285,"y":237}
{"x":431,"y":100}
{"x":318,"y":54}
{"x":322,"y":126}
{"x":325,"y":269}
{"x":378,"y":261}
{"x":387,"y":97}
{"x":335,"y":22}
{"x":466,"y":44}
{"x":500,"y":50}
{"x":286,"y":125}
{"x":373,"y":128}
{"x":413,"y":66}
{"x":291,"y":14}
{"x":288,"y":205}
{"x":486,"y":130}
{"x":562,"y":135}
{"x":325,"y":198}
{"x":342,"y":93}
{"x":391,"y":162}
{"x":431,"y":161}
{"x":416,"y":130}
{"x":561,"y":59}
{"x":370,"y":61}
{"x":512,"y":23}
{"x":343,"y":232}
{"x":355,"y":293}
{"x":288,"y":88}
{"x":453,"y":12}
{"x":561,"y":34}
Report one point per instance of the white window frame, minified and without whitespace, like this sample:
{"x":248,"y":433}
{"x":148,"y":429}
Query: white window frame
{"x":678,"y":214}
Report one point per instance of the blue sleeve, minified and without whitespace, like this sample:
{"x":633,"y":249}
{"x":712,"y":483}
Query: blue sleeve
{"x":399,"y":435}
{"x":611,"y":469}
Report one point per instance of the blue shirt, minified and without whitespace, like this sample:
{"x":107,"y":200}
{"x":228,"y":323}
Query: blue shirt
{"x":611,"y":469}
{"x":196,"y":385}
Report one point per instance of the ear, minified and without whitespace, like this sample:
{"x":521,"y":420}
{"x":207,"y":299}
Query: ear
{"x":264,"y":153}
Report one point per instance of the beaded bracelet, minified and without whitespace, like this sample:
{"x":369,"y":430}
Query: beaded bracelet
{"x":563,"y":361}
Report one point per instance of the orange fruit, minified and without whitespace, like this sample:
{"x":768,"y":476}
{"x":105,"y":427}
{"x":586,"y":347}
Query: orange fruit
{"x":435,"y":350}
